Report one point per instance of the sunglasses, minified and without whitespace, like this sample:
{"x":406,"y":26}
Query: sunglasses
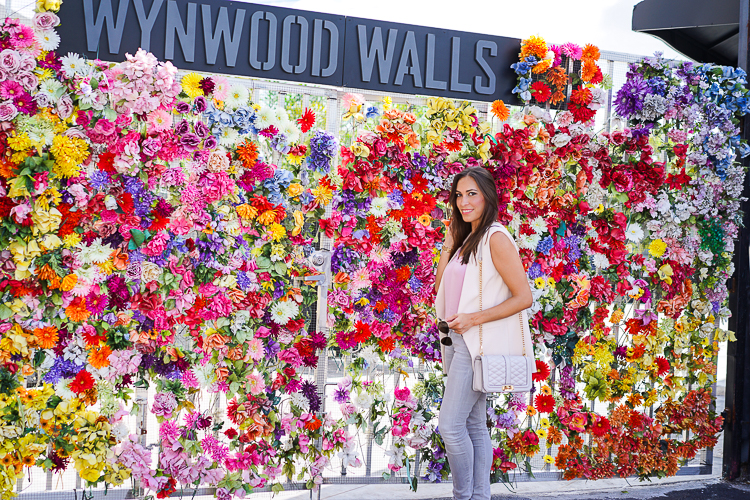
{"x":443,"y":327}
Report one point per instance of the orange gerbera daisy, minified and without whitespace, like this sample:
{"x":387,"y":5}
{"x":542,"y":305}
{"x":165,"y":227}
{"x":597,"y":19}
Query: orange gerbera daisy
{"x":557,"y":77}
{"x":542,"y":66}
{"x":68,"y":282}
{"x":500,"y":110}
{"x":46,"y":338}
{"x":77,"y":311}
{"x":591,"y":53}
{"x":588,"y":70}
{"x":247,"y":153}
{"x":99,"y":357}
{"x":534,"y":46}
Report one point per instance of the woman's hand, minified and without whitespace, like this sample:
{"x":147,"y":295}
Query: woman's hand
{"x":460,"y":323}
{"x":448,"y":241}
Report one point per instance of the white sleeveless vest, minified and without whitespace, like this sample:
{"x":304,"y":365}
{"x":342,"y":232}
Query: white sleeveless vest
{"x":495,"y":291}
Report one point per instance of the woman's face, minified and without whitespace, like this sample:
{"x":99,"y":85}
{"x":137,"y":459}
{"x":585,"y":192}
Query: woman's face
{"x":469,"y":199}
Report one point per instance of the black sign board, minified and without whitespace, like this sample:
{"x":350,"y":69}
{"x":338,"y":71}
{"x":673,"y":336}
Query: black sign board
{"x":262,"y":41}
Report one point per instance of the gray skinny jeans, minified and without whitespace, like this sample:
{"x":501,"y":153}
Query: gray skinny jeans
{"x":463,"y":425}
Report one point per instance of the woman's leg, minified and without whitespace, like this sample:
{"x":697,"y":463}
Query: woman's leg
{"x":458,"y":400}
{"x":480,"y":438}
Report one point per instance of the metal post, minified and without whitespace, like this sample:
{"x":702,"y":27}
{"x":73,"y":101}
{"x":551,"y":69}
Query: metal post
{"x":737,"y":413}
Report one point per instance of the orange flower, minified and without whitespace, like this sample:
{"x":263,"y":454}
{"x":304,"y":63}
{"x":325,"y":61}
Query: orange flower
{"x":588,"y":71}
{"x":557,"y":96}
{"x":542,"y":66}
{"x":557,"y":77}
{"x":46,"y":338}
{"x":500,"y":110}
{"x":534,"y":46}
{"x":77,"y":311}
{"x":120,"y":260}
{"x":99,"y":357}
{"x":69,"y":282}
{"x":247,"y":153}
{"x":247,"y":211}
{"x":591,"y":53}
{"x":46,"y":273}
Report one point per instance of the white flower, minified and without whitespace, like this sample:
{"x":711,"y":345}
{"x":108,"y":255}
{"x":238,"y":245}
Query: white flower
{"x":634,"y":233}
{"x":99,"y":253}
{"x":264,"y":118}
{"x":281,"y":114}
{"x":379,"y":206}
{"x":238,"y":96}
{"x":62,"y":389}
{"x":538,"y":225}
{"x":300,"y":401}
{"x":283,"y":311}
{"x":529,"y":241}
{"x":290,"y":130}
{"x":73,"y":64}
{"x":601,"y":261}
{"x":48,"y":39}
{"x":369,"y":355}
{"x":228,"y":137}
{"x":363,"y":400}
{"x":560,"y":139}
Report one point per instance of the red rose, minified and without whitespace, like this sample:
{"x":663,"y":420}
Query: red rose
{"x":623,"y":180}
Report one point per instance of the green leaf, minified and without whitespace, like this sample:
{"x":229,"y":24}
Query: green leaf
{"x":5,"y":312}
{"x":280,"y":268}
{"x":277,"y":488}
{"x":138,"y":237}
{"x":263,"y":262}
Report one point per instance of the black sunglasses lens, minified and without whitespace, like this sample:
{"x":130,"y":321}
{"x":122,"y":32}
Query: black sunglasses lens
{"x":443,"y":327}
{"x":446,"y":341}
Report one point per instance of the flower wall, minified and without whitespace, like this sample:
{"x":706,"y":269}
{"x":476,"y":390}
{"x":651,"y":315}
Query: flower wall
{"x":152,"y":230}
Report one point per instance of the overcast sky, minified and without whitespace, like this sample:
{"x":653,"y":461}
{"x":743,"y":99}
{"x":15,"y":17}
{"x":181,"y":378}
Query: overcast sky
{"x":605,"y":23}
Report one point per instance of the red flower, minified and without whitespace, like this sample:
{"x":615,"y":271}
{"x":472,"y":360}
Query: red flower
{"x":662,"y":364}
{"x":82,"y":382}
{"x":307,"y":120}
{"x":545,"y":403}
{"x":230,"y":433}
{"x":542,"y":371}
{"x":578,"y":105}
{"x":600,"y":426}
{"x":541,"y":91}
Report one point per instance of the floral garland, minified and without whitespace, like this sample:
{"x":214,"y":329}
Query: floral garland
{"x":153,"y":230}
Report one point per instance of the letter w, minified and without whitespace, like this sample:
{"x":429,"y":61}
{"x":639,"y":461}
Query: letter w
{"x":367,"y":56}
{"x":94,"y":25}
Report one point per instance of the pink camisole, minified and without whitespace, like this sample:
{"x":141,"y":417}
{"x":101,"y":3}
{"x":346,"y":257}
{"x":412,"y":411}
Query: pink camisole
{"x":454,"y":281}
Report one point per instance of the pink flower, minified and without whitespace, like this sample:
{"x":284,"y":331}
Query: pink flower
{"x":159,"y":120}
{"x":255,"y":349}
{"x":157,"y":244}
{"x":255,"y":383}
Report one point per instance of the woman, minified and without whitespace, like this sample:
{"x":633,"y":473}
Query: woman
{"x":463,"y":413}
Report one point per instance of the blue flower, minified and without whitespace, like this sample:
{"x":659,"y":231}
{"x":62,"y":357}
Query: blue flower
{"x":372,"y":112}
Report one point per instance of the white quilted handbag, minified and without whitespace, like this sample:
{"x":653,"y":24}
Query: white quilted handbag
{"x":498,"y":373}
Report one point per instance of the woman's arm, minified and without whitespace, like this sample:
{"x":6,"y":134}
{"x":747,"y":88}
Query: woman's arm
{"x":444,"y":253}
{"x":508,"y":264}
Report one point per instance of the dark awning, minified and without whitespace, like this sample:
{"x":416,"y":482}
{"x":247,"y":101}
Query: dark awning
{"x":703,"y":30}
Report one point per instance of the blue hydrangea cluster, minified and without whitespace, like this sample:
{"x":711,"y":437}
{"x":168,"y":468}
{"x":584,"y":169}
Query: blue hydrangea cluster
{"x":545,"y":245}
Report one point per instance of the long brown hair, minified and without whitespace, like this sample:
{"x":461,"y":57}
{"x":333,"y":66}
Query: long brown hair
{"x":462,"y":233}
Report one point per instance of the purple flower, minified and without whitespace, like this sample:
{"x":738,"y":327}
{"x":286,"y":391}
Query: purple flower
{"x":190,"y":141}
{"x":182,"y":107}
{"x":630,"y":96}
{"x":200,"y":104}
{"x":341,"y":395}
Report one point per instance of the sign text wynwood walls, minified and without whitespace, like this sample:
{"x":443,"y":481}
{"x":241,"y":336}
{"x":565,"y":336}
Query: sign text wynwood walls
{"x":285,"y":44}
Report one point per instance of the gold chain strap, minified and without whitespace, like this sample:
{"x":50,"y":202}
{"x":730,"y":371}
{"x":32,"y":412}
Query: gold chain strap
{"x":481,"y":337}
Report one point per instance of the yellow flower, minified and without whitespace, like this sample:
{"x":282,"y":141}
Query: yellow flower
{"x":544,"y":422}
{"x":19,"y":142}
{"x":323,"y":195}
{"x":551,"y":281}
{"x":278,"y":232}
{"x":387,"y":103}
{"x":599,"y":209}
{"x":548,"y":459}
{"x":191,"y":85}
{"x":72,"y":239}
{"x":546,"y":390}
{"x":247,"y":212}
{"x":69,"y":153}
{"x":616,"y":317}
{"x":657,"y":247}
{"x":542,"y":433}
{"x":45,"y":221}
{"x":360,"y":149}
{"x":294,"y":159}
{"x":424,"y":219}
{"x":43,"y":5}
{"x":665,"y":273}
{"x":299,"y":221}
{"x":295,"y":189}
